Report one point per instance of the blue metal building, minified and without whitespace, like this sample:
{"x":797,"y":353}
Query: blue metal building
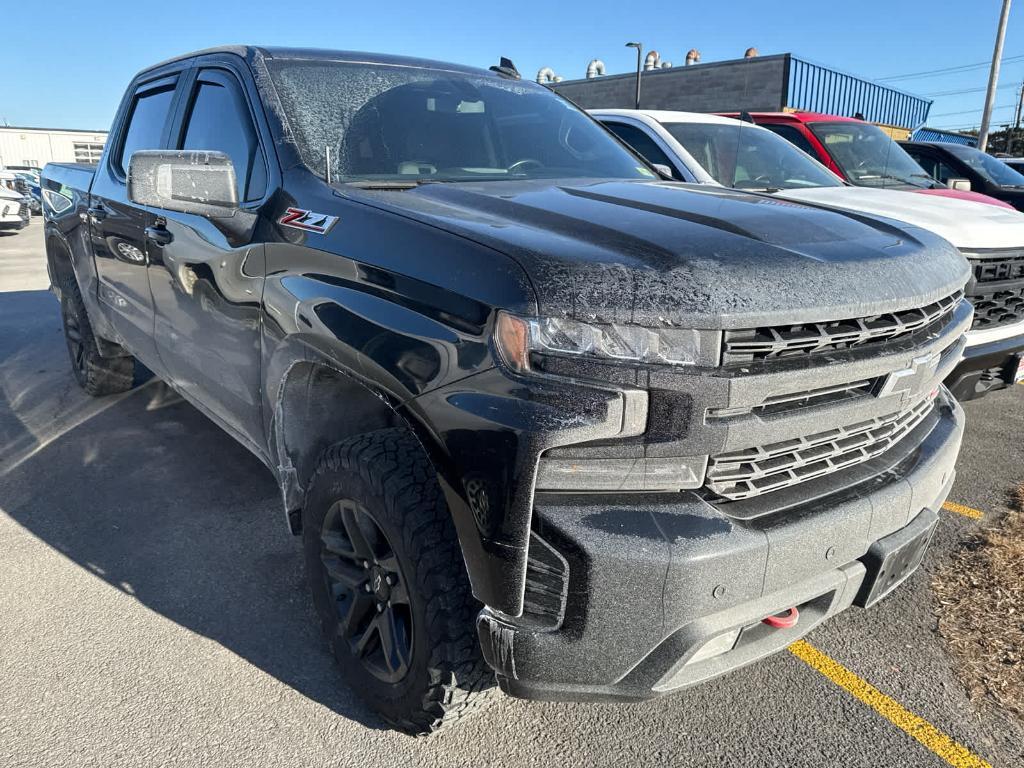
{"x":759,"y":84}
{"x":950,"y":137}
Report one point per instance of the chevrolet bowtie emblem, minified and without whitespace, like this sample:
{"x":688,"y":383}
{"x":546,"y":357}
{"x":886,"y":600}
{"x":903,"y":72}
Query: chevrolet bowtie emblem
{"x":912,"y":380}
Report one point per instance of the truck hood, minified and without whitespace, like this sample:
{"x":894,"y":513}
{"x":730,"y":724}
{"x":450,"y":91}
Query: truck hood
{"x":966,"y":224}
{"x":958,"y":194}
{"x":655,"y":253}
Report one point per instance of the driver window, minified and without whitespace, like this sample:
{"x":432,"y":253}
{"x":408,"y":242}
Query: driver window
{"x":642,"y":144}
{"x":944,"y":173}
{"x":929,"y":164}
{"x":219,"y":120}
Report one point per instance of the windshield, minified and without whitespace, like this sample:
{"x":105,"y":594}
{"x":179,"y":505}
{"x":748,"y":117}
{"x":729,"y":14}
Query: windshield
{"x":400,"y":123}
{"x":747,"y":157}
{"x":869,"y":157}
{"x":990,"y":168}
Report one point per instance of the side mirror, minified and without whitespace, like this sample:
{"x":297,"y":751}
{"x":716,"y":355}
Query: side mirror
{"x":960,"y":185}
{"x":189,"y":181}
{"x":664,"y":170}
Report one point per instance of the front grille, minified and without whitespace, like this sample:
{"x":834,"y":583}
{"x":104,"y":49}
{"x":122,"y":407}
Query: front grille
{"x":998,"y":308}
{"x":997,"y":267}
{"x":753,"y":471}
{"x":742,"y":347}
{"x":775,"y":405}
{"x":997,"y":287}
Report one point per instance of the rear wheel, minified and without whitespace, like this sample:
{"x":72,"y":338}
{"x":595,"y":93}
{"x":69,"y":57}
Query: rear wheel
{"x":389,"y":583}
{"x":94,"y":373}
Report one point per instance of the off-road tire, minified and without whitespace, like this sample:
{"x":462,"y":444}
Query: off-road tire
{"x":388,"y":476}
{"x":96,"y":374}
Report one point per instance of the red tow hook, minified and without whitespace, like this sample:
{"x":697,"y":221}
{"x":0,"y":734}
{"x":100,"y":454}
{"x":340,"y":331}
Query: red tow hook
{"x":783,"y":620}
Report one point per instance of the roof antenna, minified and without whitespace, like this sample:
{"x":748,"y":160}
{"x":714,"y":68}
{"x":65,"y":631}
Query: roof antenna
{"x":506,"y":68}
{"x":327,"y":162}
{"x":858,"y":115}
{"x":745,"y":117}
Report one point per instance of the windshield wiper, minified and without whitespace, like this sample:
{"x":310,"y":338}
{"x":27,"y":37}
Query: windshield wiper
{"x":387,"y":185}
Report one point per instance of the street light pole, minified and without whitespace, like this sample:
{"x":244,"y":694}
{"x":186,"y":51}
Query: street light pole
{"x":993,"y":77}
{"x":639,"y":53}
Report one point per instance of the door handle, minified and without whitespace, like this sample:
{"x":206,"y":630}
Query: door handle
{"x":159,"y":236}
{"x":97,"y":213}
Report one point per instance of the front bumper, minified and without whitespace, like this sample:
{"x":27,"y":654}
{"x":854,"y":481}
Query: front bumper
{"x":652,"y":582}
{"x":986,"y":366}
{"x":14,"y":215}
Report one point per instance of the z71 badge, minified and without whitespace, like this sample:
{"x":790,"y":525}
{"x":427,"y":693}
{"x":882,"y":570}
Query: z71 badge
{"x":308,"y":221}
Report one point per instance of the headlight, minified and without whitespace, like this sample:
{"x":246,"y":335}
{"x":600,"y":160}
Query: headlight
{"x":519,"y":337}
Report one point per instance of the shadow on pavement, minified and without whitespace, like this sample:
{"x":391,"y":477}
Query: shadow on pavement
{"x":153,"y":498}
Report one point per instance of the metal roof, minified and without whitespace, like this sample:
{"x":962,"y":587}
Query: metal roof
{"x":817,"y":88}
{"x":944,"y":137}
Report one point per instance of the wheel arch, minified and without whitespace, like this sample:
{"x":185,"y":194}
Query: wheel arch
{"x":320,"y":403}
{"x":59,"y":261}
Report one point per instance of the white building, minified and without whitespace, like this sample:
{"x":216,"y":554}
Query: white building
{"x":38,"y":146}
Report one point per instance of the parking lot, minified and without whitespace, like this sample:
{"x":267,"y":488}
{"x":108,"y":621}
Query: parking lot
{"x":153,"y":611}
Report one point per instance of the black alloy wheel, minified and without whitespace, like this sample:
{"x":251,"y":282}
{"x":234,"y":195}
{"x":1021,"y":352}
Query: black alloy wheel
{"x":369,"y":590}
{"x":76,"y":345}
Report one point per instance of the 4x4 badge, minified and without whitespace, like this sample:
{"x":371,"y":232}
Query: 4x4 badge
{"x":308,"y":221}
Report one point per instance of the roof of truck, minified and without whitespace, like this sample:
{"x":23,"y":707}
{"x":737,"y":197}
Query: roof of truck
{"x":668,"y":115}
{"x":324,"y":54}
{"x":798,"y":117}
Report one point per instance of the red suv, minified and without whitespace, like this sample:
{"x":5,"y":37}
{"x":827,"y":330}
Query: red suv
{"x":858,"y":152}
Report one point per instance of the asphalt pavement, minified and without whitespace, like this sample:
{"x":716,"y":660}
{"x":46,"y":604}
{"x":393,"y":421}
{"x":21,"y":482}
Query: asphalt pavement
{"x":153,"y":611}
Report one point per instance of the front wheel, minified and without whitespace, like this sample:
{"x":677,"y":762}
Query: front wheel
{"x":389,"y":582}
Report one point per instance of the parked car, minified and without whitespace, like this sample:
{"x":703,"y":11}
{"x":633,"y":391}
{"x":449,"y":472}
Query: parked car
{"x":536,"y":414}
{"x":14,"y":205}
{"x":709,"y":149}
{"x":1017,"y":163}
{"x":35,"y":199}
{"x":860,"y":153}
{"x":14,"y":211}
{"x":986,"y":174}
{"x":13,"y":182}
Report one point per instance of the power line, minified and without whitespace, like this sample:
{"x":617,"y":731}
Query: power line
{"x":976,"y":109}
{"x":969,"y":90}
{"x":950,"y":70}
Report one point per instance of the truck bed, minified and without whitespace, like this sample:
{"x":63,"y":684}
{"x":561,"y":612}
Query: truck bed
{"x":77,"y":176}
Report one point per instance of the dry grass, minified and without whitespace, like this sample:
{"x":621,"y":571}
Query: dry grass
{"x":981,"y":610}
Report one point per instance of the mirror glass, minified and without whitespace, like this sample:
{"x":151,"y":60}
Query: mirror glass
{"x":189,"y":181}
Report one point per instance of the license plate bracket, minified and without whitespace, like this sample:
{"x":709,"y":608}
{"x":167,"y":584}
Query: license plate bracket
{"x":891,"y":560}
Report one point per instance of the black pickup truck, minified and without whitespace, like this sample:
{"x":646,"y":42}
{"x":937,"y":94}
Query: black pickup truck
{"x":538,"y":415}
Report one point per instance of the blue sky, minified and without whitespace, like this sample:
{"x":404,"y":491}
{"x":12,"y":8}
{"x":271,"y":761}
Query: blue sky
{"x":71,"y":59}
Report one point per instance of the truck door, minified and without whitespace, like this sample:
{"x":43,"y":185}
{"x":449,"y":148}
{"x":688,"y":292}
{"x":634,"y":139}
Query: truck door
{"x":207,"y":285}
{"x":117,"y":225}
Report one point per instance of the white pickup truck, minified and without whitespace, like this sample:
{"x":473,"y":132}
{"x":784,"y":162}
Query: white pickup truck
{"x":722,"y":151}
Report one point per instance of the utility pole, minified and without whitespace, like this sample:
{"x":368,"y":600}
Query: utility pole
{"x":993,"y":77}
{"x":1016,"y":119}
{"x":639,"y":53}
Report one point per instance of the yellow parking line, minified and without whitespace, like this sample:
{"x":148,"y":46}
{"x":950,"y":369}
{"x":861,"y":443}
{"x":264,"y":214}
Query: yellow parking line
{"x":953,"y":753}
{"x":960,"y":509}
